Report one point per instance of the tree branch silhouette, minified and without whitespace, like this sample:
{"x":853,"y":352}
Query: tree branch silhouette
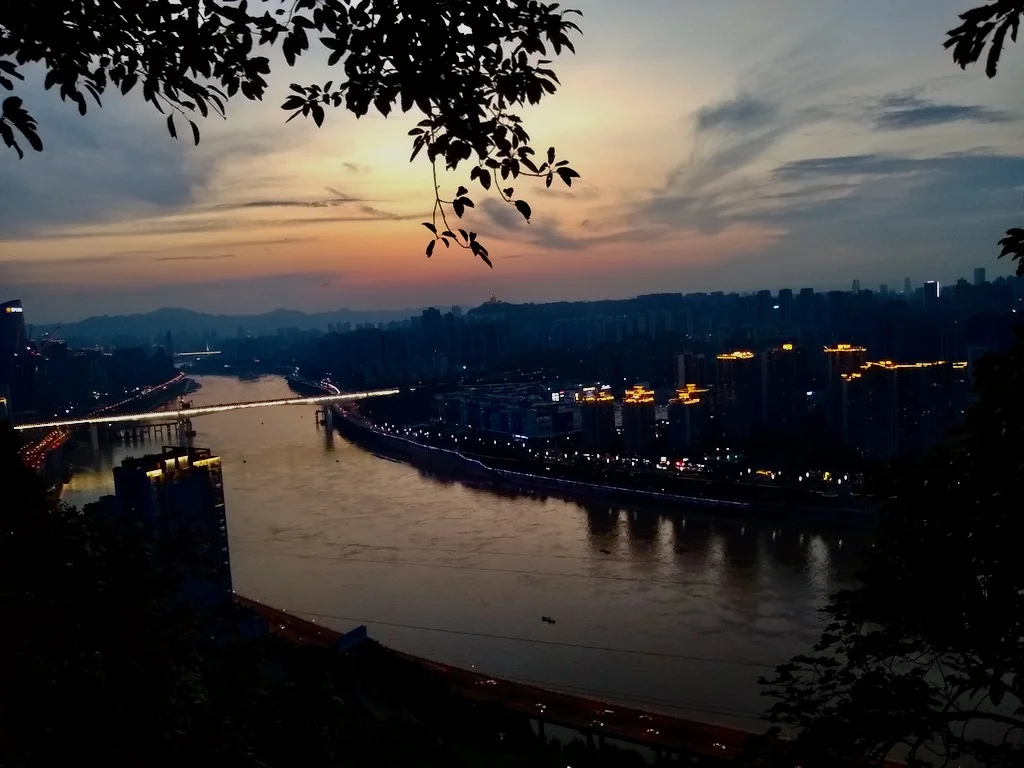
{"x":466,"y":65}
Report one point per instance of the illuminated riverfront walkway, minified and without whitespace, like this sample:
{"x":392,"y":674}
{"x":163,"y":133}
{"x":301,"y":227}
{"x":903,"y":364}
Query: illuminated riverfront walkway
{"x":187,"y":413}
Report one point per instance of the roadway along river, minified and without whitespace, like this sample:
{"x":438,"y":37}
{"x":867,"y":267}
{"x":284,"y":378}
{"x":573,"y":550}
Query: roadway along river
{"x":670,"y":613}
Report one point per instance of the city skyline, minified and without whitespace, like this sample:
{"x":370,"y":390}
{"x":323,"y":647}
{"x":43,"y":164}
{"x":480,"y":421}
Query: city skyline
{"x":719,"y":148}
{"x":45,"y":315}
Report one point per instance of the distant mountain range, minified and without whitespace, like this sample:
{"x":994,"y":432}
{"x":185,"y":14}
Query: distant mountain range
{"x":185,"y":322}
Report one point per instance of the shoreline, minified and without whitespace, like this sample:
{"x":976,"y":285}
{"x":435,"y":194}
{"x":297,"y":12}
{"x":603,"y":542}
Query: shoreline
{"x":476,"y":473}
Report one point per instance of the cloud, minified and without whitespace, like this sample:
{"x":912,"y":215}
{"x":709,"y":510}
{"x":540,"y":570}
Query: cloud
{"x":505,"y":222}
{"x":197,"y":224}
{"x":329,"y":203}
{"x":907,"y":111}
{"x":580,"y":190}
{"x":93,"y":168}
{"x":198,"y":257}
{"x":376,"y":213}
{"x":741,"y":113}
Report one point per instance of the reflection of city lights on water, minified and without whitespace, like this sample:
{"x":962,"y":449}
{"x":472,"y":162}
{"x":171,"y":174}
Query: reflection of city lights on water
{"x":819,"y":564}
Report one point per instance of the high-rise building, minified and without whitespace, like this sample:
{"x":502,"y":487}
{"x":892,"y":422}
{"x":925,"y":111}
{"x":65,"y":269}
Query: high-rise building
{"x":931,"y":293}
{"x":892,"y":409}
{"x":638,"y":420}
{"x":786,"y":307}
{"x":906,"y":286}
{"x":784,"y":383}
{"x":840,"y":360}
{"x":597,"y":420}
{"x":737,"y":395}
{"x":979,"y":275}
{"x":689,"y":415}
{"x":856,"y":286}
{"x":883,"y":290}
{"x":17,"y":364}
{"x":178,"y":495}
{"x":12,"y":327}
{"x":691,"y":368}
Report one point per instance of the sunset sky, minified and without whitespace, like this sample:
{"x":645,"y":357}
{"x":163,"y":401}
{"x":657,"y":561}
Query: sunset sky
{"x":727,"y":145}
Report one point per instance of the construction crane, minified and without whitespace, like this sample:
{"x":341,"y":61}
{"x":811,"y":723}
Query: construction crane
{"x":48,"y":339}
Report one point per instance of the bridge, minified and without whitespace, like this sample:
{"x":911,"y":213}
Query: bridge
{"x":181,"y":414}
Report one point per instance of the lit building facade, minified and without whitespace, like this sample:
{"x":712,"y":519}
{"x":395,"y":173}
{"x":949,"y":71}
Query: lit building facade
{"x":689,"y":419}
{"x":597,"y":420}
{"x":179,"y":494}
{"x":638,"y":420}
{"x":902,"y":410}
{"x":840,"y":360}
{"x":737,"y":395}
{"x":16,"y":361}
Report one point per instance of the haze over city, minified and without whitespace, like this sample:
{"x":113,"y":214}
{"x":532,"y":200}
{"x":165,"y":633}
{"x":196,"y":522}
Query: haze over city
{"x":721,"y":146}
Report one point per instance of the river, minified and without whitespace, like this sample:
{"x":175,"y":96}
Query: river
{"x":675,"y":613}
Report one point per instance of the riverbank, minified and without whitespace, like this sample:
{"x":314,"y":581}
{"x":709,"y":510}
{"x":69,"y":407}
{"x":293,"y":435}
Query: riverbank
{"x":490,"y":472}
{"x":64,"y":457}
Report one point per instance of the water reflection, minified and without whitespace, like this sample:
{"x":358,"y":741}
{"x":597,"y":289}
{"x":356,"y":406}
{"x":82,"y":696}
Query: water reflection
{"x":654,"y":608}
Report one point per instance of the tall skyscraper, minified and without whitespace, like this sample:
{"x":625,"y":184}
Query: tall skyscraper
{"x":893,"y":409}
{"x":737,"y":395}
{"x":638,"y":420}
{"x":906,"y":286}
{"x":856,"y":286}
{"x":691,"y":368}
{"x":931,"y":293}
{"x":979,"y":276}
{"x":784,"y":385}
{"x":689,"y":419}
{"x":597,"y":420}
{"x":786,"y":315}
{"x":841,"y":360}
{"x":178,"y":495}
{"x":17,"y":364}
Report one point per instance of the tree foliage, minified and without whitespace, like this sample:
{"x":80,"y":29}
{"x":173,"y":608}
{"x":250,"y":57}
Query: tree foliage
{"x":465,"y":65}
{"x":924,"y":660}
{"x":988,"y":26}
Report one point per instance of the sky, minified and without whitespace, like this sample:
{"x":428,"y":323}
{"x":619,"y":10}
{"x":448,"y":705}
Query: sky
{"x":729,"y":145}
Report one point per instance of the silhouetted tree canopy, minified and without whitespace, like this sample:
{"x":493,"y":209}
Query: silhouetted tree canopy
{"x":988,"y":26}
{"x":929,"y":652}
{"x":925,"y":660}
{"x":465,"y":65}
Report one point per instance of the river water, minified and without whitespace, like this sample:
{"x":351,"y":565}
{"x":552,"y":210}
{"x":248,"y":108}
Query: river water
{"x":675,"y":613}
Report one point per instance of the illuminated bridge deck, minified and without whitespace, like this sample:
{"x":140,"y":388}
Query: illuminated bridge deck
{"x":188,"y":413}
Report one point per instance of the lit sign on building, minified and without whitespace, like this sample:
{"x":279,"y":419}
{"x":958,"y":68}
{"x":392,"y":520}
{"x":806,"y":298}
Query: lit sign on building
{"x":10,"y":310}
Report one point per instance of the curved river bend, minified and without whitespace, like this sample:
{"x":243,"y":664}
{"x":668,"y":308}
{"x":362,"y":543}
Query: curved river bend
{"x":672,"y":613}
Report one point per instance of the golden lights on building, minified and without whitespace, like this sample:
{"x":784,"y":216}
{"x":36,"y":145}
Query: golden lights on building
{"x":690,"y":394}
{"x":845,"y":349}
{"x":638,"y":395}
{"x":737,"y":355}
